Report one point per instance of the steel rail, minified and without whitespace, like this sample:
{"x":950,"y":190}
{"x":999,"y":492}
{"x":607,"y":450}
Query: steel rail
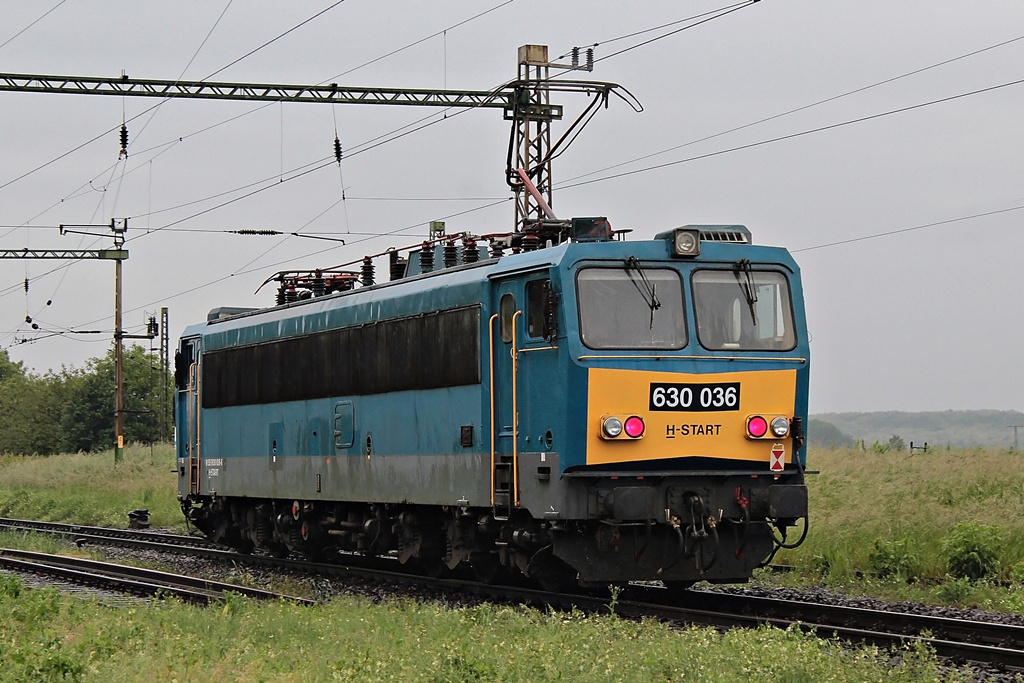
{"x":135,"y":580}
{"x":97,"y":531}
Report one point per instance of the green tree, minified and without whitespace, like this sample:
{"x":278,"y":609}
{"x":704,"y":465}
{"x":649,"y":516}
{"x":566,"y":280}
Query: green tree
{"x":27,"y":423}
{"x":896,"y":443}
{"x":87,"y":422}
{"x":9,"y":368}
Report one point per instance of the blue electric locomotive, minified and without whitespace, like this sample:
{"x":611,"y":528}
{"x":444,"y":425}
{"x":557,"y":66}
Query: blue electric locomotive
{"x":563,"y":404}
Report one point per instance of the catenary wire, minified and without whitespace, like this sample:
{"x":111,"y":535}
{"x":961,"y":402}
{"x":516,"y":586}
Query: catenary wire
{"x":44,"y":15}
{"x":396,"y":231}
{"x":900,"y":231}
{"x":798,"y":109}
{"x":167,"y":145}
{"x":792,"y":136}
{"x":651,"y":29}
{"x":275,"y":39}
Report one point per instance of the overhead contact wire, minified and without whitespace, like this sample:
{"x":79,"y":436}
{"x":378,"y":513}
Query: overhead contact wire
{"x":799,"y":109}
{"x":791,"y":136}
{"x":44,"y":15}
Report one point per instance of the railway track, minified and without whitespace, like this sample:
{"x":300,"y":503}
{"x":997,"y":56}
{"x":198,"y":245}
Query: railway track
{"x":126,"y":579}
{"x":958,"y":639}
{"x":103,"y":532}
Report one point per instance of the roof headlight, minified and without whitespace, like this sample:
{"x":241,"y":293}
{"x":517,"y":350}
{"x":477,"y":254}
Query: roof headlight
{"x":780,"y":427}
{"x":686,"y":242}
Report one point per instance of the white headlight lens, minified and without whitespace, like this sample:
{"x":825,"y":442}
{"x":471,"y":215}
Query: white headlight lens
{"x":612,"y":427}
{"x":686,"y":243}
{"x":780,"y":427}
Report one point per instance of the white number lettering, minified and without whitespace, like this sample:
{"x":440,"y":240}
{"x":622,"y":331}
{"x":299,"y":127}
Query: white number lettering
{"x":705,"y":397}
{"x":719,"y":399}
{"x":687,"y":397}
{"x":673,"y":397}
{"x":730,"y":397}
{"x":658,"y":397}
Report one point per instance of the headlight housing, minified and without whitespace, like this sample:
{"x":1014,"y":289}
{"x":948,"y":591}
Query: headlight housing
{"x":780,"y":427}
{"x":611,"y":427}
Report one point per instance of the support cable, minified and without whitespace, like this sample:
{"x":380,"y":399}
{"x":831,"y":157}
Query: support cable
{"x":800,"y":108}
{"x":792,"y":136}
{"x":44,"y":15}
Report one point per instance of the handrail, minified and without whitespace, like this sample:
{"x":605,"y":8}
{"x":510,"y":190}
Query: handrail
{"x":490,"y":352}
{"x":191,"y":407}
{"x":515,"y":412}
{"x":778,"y":359}
{"x":193,"y":427}
{"x":199,"y":427}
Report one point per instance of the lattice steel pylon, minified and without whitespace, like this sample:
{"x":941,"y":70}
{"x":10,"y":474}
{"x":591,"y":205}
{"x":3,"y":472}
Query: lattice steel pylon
{"x":532,"y":131}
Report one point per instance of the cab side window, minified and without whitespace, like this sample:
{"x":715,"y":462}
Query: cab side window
{"x":540,"y":309}
{"x":507,"y":309}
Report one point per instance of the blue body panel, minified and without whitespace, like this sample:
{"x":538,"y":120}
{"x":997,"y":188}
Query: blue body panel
{"x":552,"y":383}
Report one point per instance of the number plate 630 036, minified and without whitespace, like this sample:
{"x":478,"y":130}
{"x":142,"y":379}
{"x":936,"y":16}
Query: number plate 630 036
{"x":695,"y":397}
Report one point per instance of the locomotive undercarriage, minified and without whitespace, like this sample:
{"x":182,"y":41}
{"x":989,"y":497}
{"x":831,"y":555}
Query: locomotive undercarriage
{"x":713,"y":533}
{"x":436,"y":539}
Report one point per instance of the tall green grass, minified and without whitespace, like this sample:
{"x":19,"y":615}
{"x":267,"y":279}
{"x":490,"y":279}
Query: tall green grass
{"x":48,"y":636}
{"x":89,"y":488}
{"x":944,"y":517}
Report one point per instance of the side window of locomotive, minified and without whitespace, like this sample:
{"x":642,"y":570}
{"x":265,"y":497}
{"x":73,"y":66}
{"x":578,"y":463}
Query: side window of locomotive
{"x":635,"y":308}
{"x":507,"y":309}
{"x":743,"y":311}
{"x":540,"y":318}
{"x":183,"y":359}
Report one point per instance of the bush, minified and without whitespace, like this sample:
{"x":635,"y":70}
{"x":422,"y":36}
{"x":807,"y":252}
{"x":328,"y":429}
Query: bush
{"x":895,"y":559}
{"x":1017,"y":572}
{"x":972,"y":550}
{"x":954,"y":591}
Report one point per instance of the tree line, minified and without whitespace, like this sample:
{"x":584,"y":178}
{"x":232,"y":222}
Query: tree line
{"x":73,"y":410}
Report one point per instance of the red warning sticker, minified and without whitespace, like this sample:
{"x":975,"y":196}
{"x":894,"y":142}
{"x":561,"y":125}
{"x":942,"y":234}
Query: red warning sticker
{"x":778,"y":463}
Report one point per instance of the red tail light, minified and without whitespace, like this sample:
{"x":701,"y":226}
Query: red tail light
{"x":757,"y":426}
{"x":635,"y":427}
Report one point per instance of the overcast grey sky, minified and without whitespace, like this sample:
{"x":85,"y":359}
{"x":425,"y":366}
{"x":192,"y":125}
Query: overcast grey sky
{"x":906,"y":224}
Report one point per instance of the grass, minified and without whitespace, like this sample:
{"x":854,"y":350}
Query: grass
{"x":91,"y":489}
{"x":884,"y":524}
{"x":48,"y":636}
{"x":913,"y":525}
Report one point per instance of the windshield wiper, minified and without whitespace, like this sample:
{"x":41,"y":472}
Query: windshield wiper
{"x":746,"y":283}
{"x":647,"y":290}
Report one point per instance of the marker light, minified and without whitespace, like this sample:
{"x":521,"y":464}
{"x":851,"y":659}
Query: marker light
{"x":757,"y":426}
{"x":780,"y":427}
{"x":635,"y":427}
{"x":612,"y":427}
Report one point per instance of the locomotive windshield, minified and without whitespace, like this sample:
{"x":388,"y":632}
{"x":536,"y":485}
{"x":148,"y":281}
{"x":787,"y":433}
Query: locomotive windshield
{"x":743,"y":309}
{"x":631,"y":308}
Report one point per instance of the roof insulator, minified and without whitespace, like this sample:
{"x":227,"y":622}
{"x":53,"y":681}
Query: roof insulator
{"x":124,"y":142}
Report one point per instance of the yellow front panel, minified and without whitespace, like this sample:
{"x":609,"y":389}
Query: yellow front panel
{"x":687,"y":433}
